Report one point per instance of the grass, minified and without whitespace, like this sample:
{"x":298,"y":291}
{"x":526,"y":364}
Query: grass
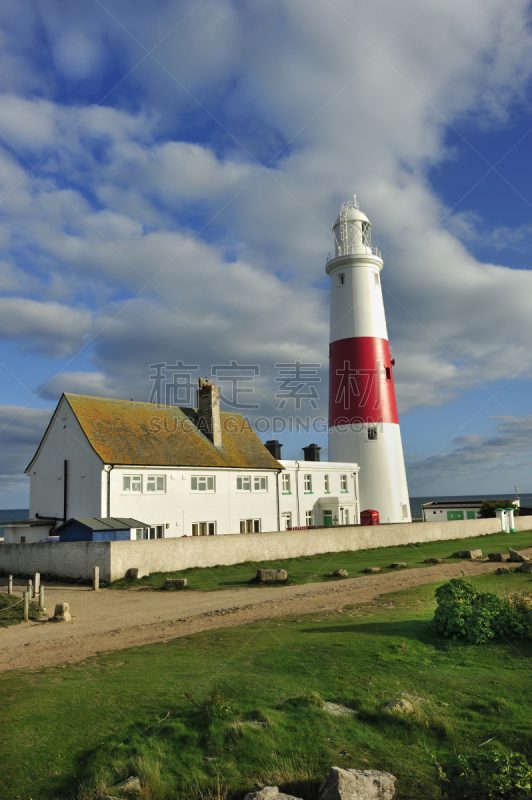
{"x":251,"y":715}
{"x":313,"y":569}
{"x":12,"y":612}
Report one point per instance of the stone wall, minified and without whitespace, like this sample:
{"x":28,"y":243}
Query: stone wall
{"x":76,"y":559}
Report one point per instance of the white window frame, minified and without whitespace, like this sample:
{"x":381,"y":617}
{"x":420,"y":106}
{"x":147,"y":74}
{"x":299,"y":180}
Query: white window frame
{"x":260,"y":483}
{"x":285,"y":483}
{"x":243,"y":483}
{"x":343,"y":483}
{"x":307,"y":482}
{"x":206,"y":484}
{"x":208,"y":526}
{"x":156,"y":480}
{"x":129,"y":489}
{"x":327,"y":483}
{"x":287,"y":517}
{"x":250,"y":525}
{"x":309,"y":518}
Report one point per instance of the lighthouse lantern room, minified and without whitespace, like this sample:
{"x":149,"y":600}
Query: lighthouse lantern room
{"x":363,"y":421}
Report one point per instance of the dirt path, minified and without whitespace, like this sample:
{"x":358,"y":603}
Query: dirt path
{"x":113,"y":620}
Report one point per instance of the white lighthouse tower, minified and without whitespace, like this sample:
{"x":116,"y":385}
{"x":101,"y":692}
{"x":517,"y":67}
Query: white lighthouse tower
{"x":363,"y":421}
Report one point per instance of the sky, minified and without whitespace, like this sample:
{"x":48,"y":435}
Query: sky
{"x":169,"y":175}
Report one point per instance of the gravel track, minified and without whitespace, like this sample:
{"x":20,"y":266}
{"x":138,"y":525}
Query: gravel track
{"x":113,"y":620}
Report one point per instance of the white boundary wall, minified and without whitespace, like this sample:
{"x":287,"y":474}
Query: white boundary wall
{"x":76,"y":559}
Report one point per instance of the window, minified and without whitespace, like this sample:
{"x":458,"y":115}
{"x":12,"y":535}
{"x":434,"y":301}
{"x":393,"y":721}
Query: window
{"x":141,"y":533}
{"x":372,"y":434}
{"x":156,"y":483}
{"x":202,"y":483}
{"x":260,"y":484}
{"x":326,"y":479}
{"x":286,"y":520}
{"x":153,"y":532}
{"x":286,"y":483}
{"x":405,"y":511}
{"x":366,"y":234}
{"x":22,"y":540}
{"x":308,"y":518}
{"x":250,"y":526}
{"x":203,"y":528}
{"x":307,"y":480}
{"x":132,"y":483}
{"x":341,"y":279}
{"x":388,"y":374}
{"x":377,"y":278}
{"x":243,"y":484}
{"x":343,"y":483}
{"x":346,"y":517}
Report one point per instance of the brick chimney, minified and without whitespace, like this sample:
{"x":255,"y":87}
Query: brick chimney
{"x":274,"y":447}
{"x":209,"y":421}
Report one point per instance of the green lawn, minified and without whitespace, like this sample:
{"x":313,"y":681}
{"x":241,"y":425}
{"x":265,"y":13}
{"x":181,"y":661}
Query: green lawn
{"x":96,"y":722}
{"x":313,"y":569}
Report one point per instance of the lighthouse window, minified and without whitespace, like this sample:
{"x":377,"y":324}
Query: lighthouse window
{"x":377,"y":279}
{"x":366,"y":234}
{"x":372,"y":434}
{"x":388,"y":374}
{"x":341,"y":278}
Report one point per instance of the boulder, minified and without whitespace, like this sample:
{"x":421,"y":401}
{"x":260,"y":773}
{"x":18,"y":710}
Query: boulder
{"x":468,"y":554}
{"x":338,"y":710}
{"x":354,"y":784}
{"x":525,"y":567}
{"x":271,"y":575}
{"x":371,"y":570}
{"x":131,"y":784}
{"x":433,"y":561}
{"x":400,"y":705}
{"x":340,"y":573}
{"x":502,"y":571}
{"x":135,"y":573}
{"x":398,"y":565}
{"x":62,"y":613}
{"x":175,"y":583}
{"x":514,"y":555}
{"x":494,"y":556}
{"x":269,"y":793}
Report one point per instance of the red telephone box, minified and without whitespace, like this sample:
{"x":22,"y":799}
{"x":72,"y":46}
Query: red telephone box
{"x":369,"y":517}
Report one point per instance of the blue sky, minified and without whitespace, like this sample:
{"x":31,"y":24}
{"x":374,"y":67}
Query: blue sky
{"x":169,"y":175}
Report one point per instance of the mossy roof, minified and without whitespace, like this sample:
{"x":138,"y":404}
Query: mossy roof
{"x":129,"y":432}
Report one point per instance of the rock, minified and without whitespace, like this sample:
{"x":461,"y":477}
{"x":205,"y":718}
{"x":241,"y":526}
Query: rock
{"x":62,"y":613}
{"x":468,"y":554}
{"x":525,"y":567}
{"x":433,"y":561}
{"x":271,"y":575}
{"x":354,"y":784}
{"x":131,"y":784}
{"x":340,"y":573}
{"x":494,"y":556}
{"x":338,"y":710}
{"x":514,"y":555}
{"x":135,"y":573}
{"x":398,"y":565}
{"x":371,"y":570}
{"x":502,"y":571}
{"x":411,"y":697}
{"x":400,"y":706}
{"x":175,"y":583}
{"x":269,"y":793}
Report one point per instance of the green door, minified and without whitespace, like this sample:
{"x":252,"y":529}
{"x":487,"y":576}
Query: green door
{"x":327,"y":519}
{"x":471,"y":515}
{"x":455,"y":515}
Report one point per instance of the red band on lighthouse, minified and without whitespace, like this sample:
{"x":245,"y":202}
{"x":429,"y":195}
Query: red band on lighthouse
{"x":361,"y":386}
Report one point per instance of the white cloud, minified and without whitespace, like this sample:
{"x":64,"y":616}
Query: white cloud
{"x":47,"y":328}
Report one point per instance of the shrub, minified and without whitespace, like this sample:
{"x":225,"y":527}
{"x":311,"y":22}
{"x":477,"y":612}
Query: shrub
{"x":464,"y":611}
{"x":486,"y":775}
{"x":487,"y":509}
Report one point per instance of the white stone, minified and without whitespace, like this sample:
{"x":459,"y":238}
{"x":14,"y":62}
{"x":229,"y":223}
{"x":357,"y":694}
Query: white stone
{"x":353,"y":784}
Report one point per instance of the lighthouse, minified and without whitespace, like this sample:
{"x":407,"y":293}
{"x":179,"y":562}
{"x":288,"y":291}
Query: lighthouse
{"x":363,"y":421}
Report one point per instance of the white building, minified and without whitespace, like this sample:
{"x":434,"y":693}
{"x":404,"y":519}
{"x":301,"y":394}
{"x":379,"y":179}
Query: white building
{"x":182,"y":472}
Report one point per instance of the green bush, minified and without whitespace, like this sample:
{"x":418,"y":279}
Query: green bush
{"x":486,"y":775}
{"x":476,"y":616}
{"x":487,"y":509}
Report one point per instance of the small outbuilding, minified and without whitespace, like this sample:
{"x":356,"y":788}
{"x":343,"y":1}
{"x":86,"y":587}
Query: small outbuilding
{"x":103,"y":529}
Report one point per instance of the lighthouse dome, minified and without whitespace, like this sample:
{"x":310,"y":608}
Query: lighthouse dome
{"x":352,"y":231}
{"x":350,"y":214}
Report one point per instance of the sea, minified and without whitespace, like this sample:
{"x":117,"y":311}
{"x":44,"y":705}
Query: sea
{"x":10,"y":514}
